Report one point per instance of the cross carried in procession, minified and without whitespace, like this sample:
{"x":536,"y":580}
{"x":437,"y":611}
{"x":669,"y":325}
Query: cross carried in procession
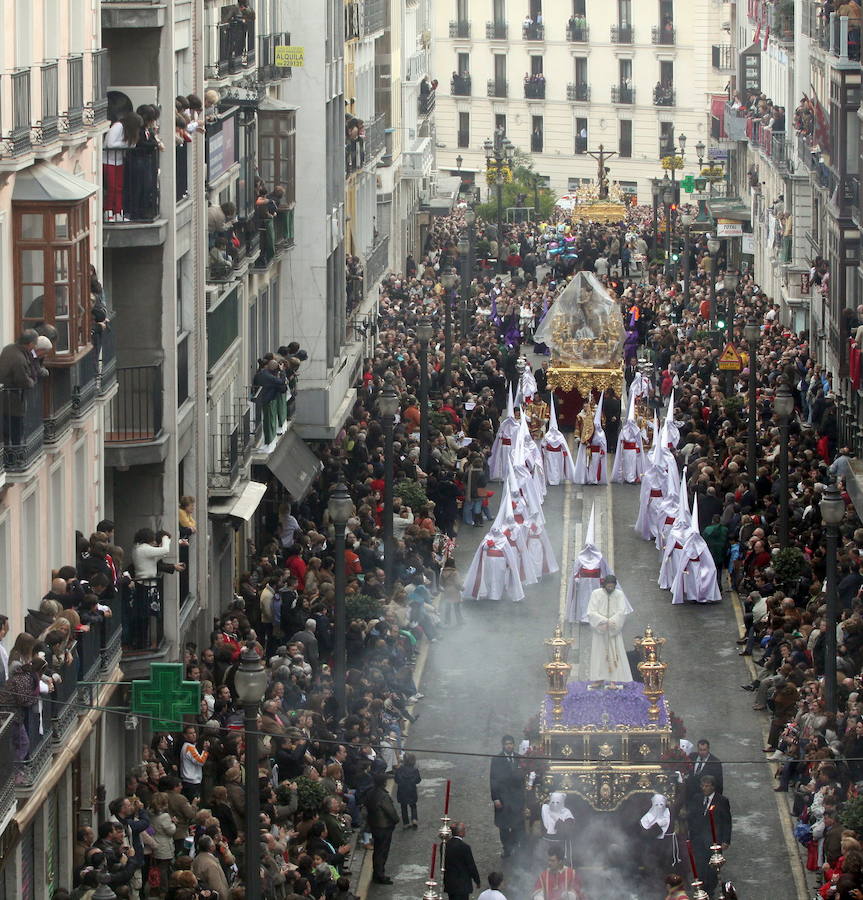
{"x":602,"y":156}
{"x":166,"y":697}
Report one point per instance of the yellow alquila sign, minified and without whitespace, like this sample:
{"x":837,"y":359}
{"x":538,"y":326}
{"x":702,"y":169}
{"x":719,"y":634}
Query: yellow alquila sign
{"x":289,"y":56}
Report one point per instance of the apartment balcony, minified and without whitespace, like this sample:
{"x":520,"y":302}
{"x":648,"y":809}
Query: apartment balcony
{"x":47,"y":129}
{"x":133,"y":418}
{"x":496,"y":31}
{"x":534,"y":32}
{"x":234,"y":49}
{"x":459,"y":30}
{"x":229,"y":447}
{"x":663,"y":96}
{"x":417,"y":162}
{"x":374,"y":16}
{"x":56,"y":403}
{"x":497,"y":88}
{"x":131,"y":197}
{"x":105,"y":342}
{"x":22,"y":427}
{"x":16,"y":143}
{"x":267,"y":68}
{"x":844,"y":41}
{"x":72,"y":120}
{"x":7,"y":769}
{"x":580,"y":145}
{"x":662,"y":34}
{"x":459,"y":86}
{"x":426,"y":103}
{"x":724,"y":57}
{"x":375,"y":140}
{"x":620,"y":93}
{"x":577,"y":34}
{"x":355,"y":155}
{"x":242,"y":246}
{"x":771,"y":144}
{"x":534,"y":90}
{"x":377,"y":261}
{"x":536,"y":143}
{"x":578,"y":93}
{"x":418,"y":65}
{"x":781,"y":23}
{"x":622,"y":34}
{"x":96,"y":110}
{"x":283,"y":226}
{"x":133,"y":13}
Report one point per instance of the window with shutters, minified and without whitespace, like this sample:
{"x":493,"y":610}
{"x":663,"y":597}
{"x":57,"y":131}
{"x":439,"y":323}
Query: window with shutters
{"x":52,"y":272}
{"x":277,"y":148}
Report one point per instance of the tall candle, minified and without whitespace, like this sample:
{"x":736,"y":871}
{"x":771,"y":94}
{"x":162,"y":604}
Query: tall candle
{"x":712,"y":825}
{"x":434,"y":858}
{"x":446,"y":801}
{"x":692,"y":860}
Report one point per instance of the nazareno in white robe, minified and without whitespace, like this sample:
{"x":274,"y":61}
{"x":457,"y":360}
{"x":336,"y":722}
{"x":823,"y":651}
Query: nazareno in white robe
{"x":540,"y":551}
{"x":516,"y":534}
{"x":556,"y":458}
{"x":587,"y":571}
{"x":606,"y":613}
{"x":629,"y":458}
{"x":591,"y":462}
{"x":494,"y":570}
{"x":502,"y":447}
{"x":695,"y":579}
{"x":652,"y":491}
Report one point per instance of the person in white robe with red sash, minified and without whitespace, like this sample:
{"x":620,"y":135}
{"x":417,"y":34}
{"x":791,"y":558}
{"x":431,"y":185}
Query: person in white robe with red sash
{"x":674,"y":538}
{"x":556,"y":458}
{"x":629,"y":458}
{"x":591,"y":464}
{"x":494,"y":570}
{"x":695,"y":579}
{"x":502,"y":445}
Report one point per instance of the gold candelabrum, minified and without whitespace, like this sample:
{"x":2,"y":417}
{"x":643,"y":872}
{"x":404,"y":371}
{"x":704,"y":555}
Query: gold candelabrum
{"x":557,"y":670}
{"x":431,"y":891}
{"x":652,"y":669}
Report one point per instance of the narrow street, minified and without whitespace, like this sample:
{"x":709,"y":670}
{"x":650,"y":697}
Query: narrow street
{"x":486,"y":679}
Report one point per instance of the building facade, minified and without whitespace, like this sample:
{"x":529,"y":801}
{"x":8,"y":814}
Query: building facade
{"x":562,"y":79}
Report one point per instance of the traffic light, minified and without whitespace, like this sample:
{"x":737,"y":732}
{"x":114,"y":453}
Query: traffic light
{"x":720,"y":324}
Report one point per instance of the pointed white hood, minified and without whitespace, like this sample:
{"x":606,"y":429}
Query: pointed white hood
{"x":505,"y":516}
{"x":654,"y":454}
{"x":552,"y":413}
{"x":510,"y":404}
{"x":589,"y":534}
{"x":683,"y":501}
{"x":597,"y":414}
{"x":693,"y":523}
{"x":669,"y":415}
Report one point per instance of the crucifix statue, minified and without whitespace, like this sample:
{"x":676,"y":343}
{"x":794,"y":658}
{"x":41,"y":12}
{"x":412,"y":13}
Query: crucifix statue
{"x":602,"y":156}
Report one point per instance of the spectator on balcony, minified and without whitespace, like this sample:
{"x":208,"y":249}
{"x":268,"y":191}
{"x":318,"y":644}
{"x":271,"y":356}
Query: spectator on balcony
{"x":186,"y":517}
{"x":119,"y":139}
{"x":140,"y":187}
{"x":211,"y":105}
{"x":148,"y":550}
{"x":265,"y":212}
{"x":220,"y":264}
{"x":272,"y":382}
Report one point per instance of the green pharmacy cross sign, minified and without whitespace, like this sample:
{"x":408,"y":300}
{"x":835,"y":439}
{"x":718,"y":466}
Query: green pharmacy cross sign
{"x":688,"y":184}
{"x":166,"y":697}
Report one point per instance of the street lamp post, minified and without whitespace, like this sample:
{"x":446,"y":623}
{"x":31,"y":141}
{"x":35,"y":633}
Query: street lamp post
{"x":686,"y":220}
{"x":424,"y":333}
{"x":656,"y":191}
{"x":448,"y":280}
{"x":667,"y":199}
{"x":499,"y":155}
{"x":340,"y":507}
{"x":250,"y":682}
{"x":729,"y":288}
{"x":388,"y":406}
{"x":752,"y":332}
{"x":832,"y":508}
{"x":464,"y":253}
{"x":783,"y":406}
{"x":712,"y":249}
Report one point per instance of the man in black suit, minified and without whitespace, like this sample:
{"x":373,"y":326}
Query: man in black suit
{"x":460,"y":874}
{"x":704,"y":763}
{"x":700,"y":833}
{"x":507,"y":794}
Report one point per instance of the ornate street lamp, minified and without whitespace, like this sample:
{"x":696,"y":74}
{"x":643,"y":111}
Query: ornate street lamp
{"x":250,"y":683}
{"x":388,"y":406}
{"x":424,"y":335}
{"x":752,"y":332}
{"x":832,"y":509}
{"x":783,"y":406}
{"x":340,"y":508}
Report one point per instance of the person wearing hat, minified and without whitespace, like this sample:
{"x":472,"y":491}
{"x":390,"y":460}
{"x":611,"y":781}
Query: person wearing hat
{"x":607,"y":610}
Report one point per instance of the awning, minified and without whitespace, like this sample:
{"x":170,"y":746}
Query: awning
{"x":729,"y":208}
{"x":242,"y":507}
{"x":45,"y":183}
{"x":294,"y":465}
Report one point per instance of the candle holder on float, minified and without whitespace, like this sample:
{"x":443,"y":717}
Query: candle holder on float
{"x":652,"y":670}
{"x":558,"y":646}
{"x":557,"y":672}
{"x":698,"y":892}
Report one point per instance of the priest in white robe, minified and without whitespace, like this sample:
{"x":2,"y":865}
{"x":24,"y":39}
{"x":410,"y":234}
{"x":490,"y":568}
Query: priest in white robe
{"x":503,"y":441}
{"x":556,"y":458}
{"x":695,"y":579}
{"x":629,"y":458}
{"x":591,"y":463}
{"x":606,"y":613}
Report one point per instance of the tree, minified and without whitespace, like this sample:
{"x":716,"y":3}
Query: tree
{"x":522,"y":183}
